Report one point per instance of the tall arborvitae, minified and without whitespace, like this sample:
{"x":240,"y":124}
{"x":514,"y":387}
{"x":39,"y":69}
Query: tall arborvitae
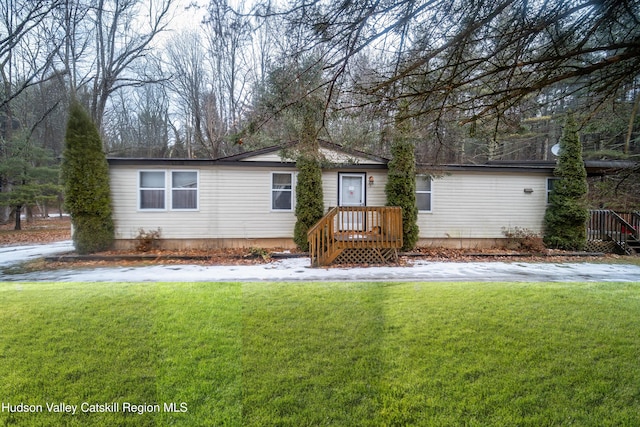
{"x":567,"y":213}
{"x":309,"y":194}
{"x":401,"y":183}
{"x":85,"y":176}
{"x":309,"y":199}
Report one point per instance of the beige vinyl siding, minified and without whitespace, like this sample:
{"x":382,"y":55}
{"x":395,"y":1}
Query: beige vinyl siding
{"x":468,"y":205}
{"x":375,"y":195}
{"x":129,"y":219}
{"x":241,"y":205}
{"x":233,"y":203}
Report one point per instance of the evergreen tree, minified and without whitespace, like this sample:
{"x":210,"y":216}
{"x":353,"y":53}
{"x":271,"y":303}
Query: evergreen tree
{"x":401,"y":183}
{"x":309,"y":198}
{"x":567,"y":212}
{"x":28,"y":174}
{"x":85,"y":175}
{"x":309,"y":194}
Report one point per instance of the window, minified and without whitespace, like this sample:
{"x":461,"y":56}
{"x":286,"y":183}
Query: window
{"x":184,"y":190}
{"x":152,"y":190}
{"x":423,"y":193}
{"x":551,"y":183}
{"x":282,"y":191}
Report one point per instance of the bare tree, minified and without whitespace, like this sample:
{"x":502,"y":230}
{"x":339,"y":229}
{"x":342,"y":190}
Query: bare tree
{"x":25,"y":58}
{"x":77,"y":32}
{"x":186,"y":60}
{"x":124,"y":32}
{"x":138,"y":122}
{"x":229,"y":40}
{"x":480,"y":58}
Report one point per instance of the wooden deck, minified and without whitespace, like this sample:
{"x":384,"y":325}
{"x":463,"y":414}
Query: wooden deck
{"x":620,"y":229}
{"x":356,"y":235}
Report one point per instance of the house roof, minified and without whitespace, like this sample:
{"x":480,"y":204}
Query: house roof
{"x":274,"y":156}
{"x":354,"y":156}
{"x":593,"y":167}
{"x":540,"y":167}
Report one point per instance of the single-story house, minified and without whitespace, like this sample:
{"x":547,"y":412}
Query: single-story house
{"x":248,"y":200}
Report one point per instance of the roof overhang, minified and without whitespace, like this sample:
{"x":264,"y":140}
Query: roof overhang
{"x":593,"y":167}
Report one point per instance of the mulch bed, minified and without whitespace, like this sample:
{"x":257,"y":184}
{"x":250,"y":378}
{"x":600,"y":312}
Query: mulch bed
{"x":125,"y":258}
{"x":55,"y":228}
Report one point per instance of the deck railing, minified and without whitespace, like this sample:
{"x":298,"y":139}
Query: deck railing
{"x":346,"y":227}
{"x":635,"y":222}
{"x":607,"y":225}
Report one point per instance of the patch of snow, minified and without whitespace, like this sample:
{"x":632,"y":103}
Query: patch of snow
{"x":298,"y":269}
{"x":11,"y":255}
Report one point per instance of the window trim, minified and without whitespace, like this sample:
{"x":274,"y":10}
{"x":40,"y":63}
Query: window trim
{"x":429,"y":192}
{"x":168,"y":190}
{"x":197,"y":189}
{"x":292,"y":190}
{"x":140,"y":190}
{"x":363,"y":188}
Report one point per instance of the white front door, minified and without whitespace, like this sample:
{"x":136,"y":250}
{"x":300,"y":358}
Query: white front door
{"x":351,"y":189}
{"x":352,"y":193}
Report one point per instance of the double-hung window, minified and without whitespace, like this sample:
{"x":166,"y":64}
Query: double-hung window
{"x":184,"y":190}
{"x":152,"y":190}
{"x":177,"y":190}
{"x":423,"y":193}
{"x":282,"y":191}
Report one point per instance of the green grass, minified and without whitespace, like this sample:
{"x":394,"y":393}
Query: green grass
{"x":336,"y":354}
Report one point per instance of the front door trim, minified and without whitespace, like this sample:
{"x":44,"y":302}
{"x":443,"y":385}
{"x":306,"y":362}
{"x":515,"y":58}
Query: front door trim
{"x":363,"y":192}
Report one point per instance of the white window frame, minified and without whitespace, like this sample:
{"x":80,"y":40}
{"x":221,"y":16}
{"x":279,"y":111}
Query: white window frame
{"x":140,"y":190}
{"x":168,"y":190}
{"x":172,"y":189}
{"x":429,"y":192}
{"x":292,"y":190}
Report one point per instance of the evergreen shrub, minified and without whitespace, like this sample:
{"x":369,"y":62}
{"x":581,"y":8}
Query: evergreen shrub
{"x":309,"y":199}
{"x":401,"y":189}
{"x":85,"y":176}
{"x":567,"y":213}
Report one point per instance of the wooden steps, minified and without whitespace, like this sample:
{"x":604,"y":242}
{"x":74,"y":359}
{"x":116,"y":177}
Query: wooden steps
{"x":623,"y":229}
{"x":356,"y":235}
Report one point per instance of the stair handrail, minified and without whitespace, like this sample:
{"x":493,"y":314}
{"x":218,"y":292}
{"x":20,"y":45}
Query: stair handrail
{"x":605,"y":224}
{"x":354,"y":227}
{"x":626,"y":227}
{"x":622,"y":230}
{"x":318,"y":237}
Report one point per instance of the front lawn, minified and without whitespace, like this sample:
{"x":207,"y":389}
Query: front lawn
{"x":338,"y":354}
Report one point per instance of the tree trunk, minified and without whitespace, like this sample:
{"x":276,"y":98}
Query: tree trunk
{"x":632,"y":119}
{"x":18,"y":219}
